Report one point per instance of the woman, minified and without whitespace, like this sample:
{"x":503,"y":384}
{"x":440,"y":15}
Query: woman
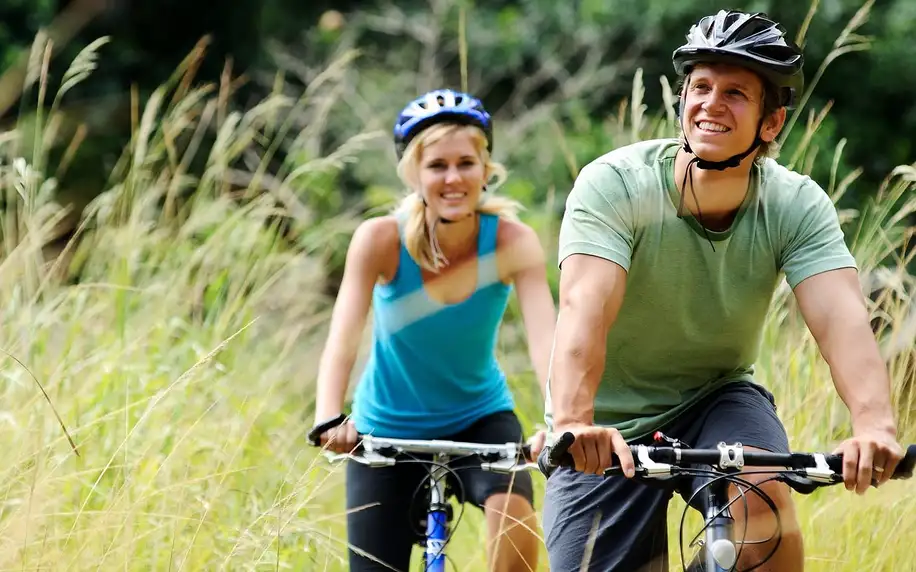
{"x":437,"y":274}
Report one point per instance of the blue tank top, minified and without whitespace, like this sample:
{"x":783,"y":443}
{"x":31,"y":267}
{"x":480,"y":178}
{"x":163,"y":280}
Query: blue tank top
{"x":432,"y":370}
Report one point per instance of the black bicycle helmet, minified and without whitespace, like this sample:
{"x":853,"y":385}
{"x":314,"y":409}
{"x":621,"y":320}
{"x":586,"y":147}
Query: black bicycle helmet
{"x":750,"y":40}
{"x":753,"y":41}
{"x":439,"y":106}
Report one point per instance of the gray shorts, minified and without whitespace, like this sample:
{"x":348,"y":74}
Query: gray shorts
{"x":630,"y":517}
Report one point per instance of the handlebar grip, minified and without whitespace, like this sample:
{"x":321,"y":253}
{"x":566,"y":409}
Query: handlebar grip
{"x":904,"y":468}
{"x":906,"y":465}
{"x":557,"y":455}
{"x":615,"y":470}
{"x":314,"y":434}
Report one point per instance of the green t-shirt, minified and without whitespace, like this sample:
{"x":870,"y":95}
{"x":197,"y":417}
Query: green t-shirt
{"x":692,"y":318}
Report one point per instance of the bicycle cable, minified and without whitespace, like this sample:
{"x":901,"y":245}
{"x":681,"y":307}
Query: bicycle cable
{"x":428,"y":466}
{"x":737,"y":480}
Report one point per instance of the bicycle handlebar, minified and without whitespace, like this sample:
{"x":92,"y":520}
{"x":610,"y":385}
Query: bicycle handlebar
{"x":804,"y":472}
{"x":379,"y":451}
{"x":382,"y":452}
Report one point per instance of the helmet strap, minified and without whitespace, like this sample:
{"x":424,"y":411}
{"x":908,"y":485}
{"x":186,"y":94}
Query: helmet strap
{"x":439,"y":259}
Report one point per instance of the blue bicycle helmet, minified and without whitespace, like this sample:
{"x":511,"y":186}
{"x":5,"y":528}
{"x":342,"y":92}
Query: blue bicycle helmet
{"x":440,"y":106}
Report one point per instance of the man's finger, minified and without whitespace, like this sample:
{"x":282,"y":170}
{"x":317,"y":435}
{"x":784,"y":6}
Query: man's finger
{"x":604,"y":452}
{"x":623,"y":453}
{"x":864,"y":473}
{"x":893,"y":460}
{"x":891,"y":456}
{"x":850,"y":465}
{"x":578,"y":454}
{"x":593,"y":457}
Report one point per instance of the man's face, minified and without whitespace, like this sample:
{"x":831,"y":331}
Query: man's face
{"x":722,"y":108}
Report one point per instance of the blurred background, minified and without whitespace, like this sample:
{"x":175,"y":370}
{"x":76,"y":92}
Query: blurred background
{"x":180,"y":181}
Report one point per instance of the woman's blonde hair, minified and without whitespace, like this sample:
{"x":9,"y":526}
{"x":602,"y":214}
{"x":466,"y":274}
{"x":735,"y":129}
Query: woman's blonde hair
{"x":419,"y":237}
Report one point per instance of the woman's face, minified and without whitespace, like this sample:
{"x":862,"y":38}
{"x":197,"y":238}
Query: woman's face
{"x":452,"y":175}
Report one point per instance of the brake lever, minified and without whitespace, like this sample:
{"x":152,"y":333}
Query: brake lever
{"x":369,"y":458}
{"x":507,"y":466}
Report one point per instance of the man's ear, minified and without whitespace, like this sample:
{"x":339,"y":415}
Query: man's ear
{"x":772,"y":125}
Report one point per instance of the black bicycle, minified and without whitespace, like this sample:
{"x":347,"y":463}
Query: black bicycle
{"x":804,"y":472}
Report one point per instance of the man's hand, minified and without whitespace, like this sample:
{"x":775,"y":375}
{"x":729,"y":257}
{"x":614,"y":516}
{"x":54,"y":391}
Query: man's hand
{"x":593,"y":447}
{"x":873,"y":453}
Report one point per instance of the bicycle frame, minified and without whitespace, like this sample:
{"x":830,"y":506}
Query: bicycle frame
{"x":382,"y":452}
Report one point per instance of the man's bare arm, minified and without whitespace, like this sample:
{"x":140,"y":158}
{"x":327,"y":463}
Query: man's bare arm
{"x":834,"y":310}
{"x":591,"y":293}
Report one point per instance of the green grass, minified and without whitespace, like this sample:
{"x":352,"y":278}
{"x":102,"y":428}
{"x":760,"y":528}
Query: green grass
{"x":177,"y":338}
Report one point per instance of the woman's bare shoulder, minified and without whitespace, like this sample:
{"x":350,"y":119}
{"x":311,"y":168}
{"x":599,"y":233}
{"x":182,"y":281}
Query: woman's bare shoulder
{"x":377,"y":242}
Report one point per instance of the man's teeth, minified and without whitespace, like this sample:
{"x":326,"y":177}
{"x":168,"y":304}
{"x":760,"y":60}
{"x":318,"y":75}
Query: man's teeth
{"x":707,"y":126}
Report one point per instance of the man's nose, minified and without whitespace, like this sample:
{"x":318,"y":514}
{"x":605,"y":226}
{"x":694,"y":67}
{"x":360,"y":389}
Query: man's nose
{"x":715,"y":101}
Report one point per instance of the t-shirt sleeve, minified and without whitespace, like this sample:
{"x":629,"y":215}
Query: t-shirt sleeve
{"x":813,"y":241}
{"x":599,"y":218}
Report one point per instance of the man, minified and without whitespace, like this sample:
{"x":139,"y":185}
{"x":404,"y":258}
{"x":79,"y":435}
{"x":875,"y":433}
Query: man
{"x":698,"y":232}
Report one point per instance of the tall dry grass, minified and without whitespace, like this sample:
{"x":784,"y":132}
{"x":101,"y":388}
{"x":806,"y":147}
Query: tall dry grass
{"x":177,"y":334}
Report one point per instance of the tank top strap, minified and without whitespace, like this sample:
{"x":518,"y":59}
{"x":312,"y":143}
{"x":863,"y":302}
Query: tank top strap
{"x":487,"y":269}
{"x":408,"y":277}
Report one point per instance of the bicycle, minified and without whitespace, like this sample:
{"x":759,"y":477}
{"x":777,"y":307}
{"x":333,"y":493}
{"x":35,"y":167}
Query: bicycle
{"x":804,"y":473}
{"x":386,"y":452}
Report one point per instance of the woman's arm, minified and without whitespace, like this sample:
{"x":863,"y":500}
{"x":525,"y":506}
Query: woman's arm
{"x":367,"y":258}
{"x":526,"y":265}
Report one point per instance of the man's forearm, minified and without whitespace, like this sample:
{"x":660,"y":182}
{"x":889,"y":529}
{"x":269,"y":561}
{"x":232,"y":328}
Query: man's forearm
{"x":860,"y":376}
{"x":577,"y":366}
